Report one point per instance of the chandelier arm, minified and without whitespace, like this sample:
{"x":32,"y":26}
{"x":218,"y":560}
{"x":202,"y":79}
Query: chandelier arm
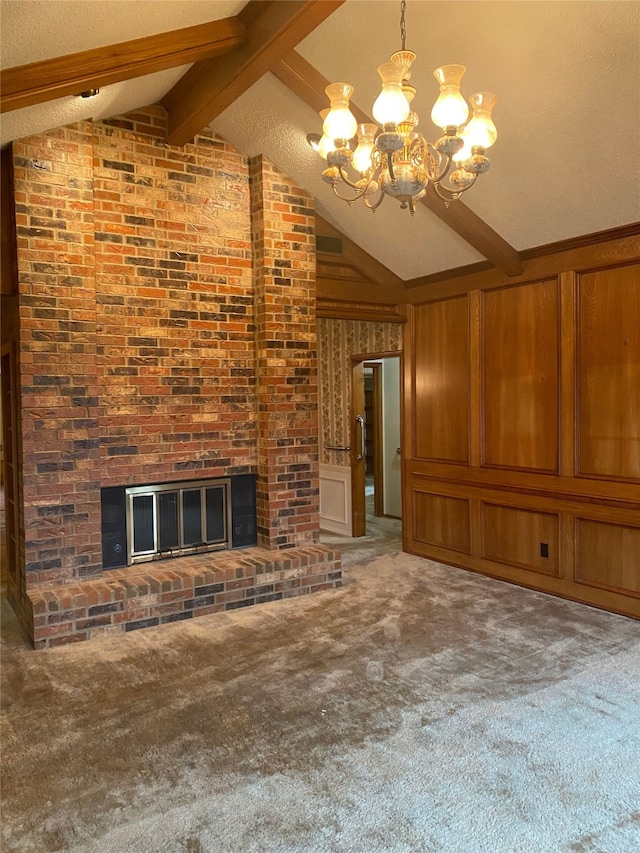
{"x":445,"y":193}
{"x":457,"y":191}
{"x":435,"y":158}
{"x":448,"y":162}
{"x":376,"y":205}
{"x":349,"y":201}
{"x":361,"y":190}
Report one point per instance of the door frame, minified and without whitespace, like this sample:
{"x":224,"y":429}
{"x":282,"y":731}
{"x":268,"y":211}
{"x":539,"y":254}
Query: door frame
{"x":358,"y":505}
{"x":378,"y":450}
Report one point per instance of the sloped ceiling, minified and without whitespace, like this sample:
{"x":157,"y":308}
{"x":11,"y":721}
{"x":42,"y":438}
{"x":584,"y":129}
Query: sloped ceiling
{"x":567,"y":75}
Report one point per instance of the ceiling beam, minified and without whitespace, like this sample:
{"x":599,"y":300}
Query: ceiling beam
{"x":303,"y":80}
{"x":212,"y":85}
{"x":25,"y":85}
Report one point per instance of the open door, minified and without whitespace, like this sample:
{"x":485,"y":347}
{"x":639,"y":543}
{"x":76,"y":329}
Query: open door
{"x":343,"y":478}
{"x":358,"y":452}
{"x":383,"y":424}
{"x":373,"y":405}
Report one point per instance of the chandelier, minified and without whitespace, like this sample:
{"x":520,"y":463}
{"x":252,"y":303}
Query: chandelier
{"x":392,"y":158}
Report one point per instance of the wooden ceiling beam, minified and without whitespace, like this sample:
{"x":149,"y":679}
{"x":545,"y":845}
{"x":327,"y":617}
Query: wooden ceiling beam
{"x":38,"y":82}
{"x":308,"y":84}
{"x":212,"y":85}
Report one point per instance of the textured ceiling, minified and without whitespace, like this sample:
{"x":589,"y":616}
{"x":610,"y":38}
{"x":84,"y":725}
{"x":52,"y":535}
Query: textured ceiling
{"x":567,"y":75}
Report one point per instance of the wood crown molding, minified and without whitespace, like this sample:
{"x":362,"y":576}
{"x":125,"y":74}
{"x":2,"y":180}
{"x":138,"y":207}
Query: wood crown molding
{"x":569,"y":245}
{"x":38,"y":82}
{"x":573,"y":243}
{"x":338,"y":309}
{"x":308,"y":84}
{"x":210,"y":86}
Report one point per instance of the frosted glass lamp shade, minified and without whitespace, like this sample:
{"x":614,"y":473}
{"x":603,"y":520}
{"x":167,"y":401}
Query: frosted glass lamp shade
{"x":391,"y":106}
{"x":481,"y":130}
{"x":340,"y":122}
{"x":325,"y":145}
{"x":450,"y":110}
{"x":362,"y":155}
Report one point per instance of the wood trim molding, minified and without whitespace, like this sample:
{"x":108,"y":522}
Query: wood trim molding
{"x":8,"y":245}
{"x":327,"y":266}
{"x":443,"y":275}
{"x":309,"y":85}
{"x":336,"y":309}
{"x":356,"y":257}
{"x":211,"y":85}
{"x":38,"y":82}
{"x":569,"y":245}
{"x":573,"y":243}
{"x":605,"y":494}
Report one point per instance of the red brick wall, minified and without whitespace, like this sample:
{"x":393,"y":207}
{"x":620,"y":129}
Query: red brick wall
{"x":139,"y":347}
{"x":285,"y":267}
{"x":57,"y":306}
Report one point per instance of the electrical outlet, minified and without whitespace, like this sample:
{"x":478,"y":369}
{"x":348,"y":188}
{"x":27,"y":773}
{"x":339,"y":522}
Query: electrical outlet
{"x":544,"y":549}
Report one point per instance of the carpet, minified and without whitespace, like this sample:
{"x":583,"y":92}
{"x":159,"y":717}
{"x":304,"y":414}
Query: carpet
{"x":419,"y":709}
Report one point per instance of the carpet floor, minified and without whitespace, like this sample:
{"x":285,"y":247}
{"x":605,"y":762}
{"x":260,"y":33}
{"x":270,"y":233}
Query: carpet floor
{"x":419,"y":709}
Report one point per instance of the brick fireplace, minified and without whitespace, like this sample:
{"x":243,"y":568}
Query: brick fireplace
{"x":167,"y":333}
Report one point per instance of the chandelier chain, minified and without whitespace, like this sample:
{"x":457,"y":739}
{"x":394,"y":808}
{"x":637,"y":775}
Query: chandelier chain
{"x":403,"y":29}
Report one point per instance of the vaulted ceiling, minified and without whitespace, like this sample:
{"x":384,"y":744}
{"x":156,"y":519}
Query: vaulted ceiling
{"x":567,"y":75}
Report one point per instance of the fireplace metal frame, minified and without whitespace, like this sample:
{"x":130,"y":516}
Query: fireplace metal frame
{"x":182,"y":549}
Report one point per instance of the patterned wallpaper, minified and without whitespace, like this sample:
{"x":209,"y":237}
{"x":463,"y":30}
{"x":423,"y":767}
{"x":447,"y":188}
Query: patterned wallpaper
{"x":338,"y":340}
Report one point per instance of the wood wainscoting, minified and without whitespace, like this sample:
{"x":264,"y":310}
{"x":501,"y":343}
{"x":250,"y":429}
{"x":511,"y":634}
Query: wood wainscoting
{"x":522,"y":424}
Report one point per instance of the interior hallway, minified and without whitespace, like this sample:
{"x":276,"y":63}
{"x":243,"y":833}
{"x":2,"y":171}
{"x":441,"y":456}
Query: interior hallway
{"x":384,"y":536}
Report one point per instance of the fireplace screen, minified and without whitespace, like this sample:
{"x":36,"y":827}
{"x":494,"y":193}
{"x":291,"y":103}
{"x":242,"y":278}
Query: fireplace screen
{"x":177,"y":518}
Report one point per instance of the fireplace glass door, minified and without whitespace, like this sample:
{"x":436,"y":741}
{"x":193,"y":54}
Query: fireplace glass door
{"x":177,"y":518}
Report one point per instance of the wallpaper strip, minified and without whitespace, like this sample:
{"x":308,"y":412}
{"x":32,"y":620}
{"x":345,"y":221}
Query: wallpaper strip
{"x":338,"y":340}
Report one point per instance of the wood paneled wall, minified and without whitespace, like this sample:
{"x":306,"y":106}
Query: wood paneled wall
{"x":522,"y":425}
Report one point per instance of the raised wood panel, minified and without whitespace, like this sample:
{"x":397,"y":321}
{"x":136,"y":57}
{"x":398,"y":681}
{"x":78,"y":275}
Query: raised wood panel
{"x":520,"y":377}
{"x":441,"y":380}
{"x":572,"y":313}
{"x":335,"y":499}
{"x":608,"y":556}
{"x":515,"y":536}
{"x":441,"y":520}
{"x":608,"y":373}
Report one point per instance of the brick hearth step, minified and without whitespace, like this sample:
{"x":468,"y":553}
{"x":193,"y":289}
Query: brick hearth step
{"x":158,"y":592}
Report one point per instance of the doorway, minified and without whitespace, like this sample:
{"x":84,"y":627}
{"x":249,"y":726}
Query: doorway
{"x":376,"y":455}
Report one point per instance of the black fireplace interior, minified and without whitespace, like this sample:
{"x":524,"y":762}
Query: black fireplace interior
{"x":161,"y":520}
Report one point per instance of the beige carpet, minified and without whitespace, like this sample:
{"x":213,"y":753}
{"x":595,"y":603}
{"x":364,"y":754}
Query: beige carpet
{"x":420,"y":709}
